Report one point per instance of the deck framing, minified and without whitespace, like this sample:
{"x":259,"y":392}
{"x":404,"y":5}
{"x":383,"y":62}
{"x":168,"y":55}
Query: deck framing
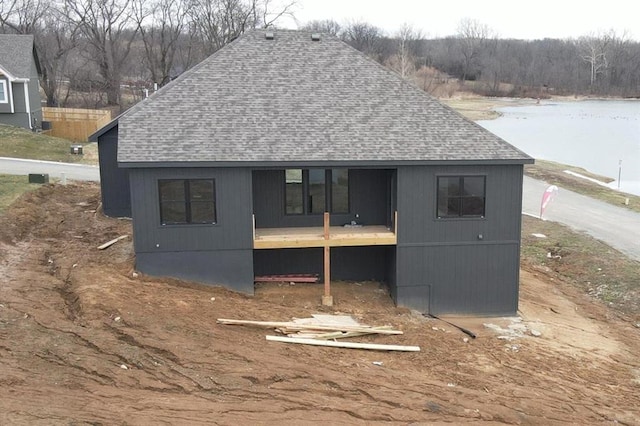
{"x":275,"y":238}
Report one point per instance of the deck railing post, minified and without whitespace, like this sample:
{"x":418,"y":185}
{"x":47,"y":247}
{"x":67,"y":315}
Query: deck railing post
{"x":327,"y":299}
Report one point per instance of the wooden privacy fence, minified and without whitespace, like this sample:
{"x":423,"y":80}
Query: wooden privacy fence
{"x":73,"y":123}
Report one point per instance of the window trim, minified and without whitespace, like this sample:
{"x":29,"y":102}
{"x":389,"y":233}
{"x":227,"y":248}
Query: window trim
{"x":188,"y":201}
{"x":5,"y":91}
{"x":328,"y":190}
{"x":460,"y":216}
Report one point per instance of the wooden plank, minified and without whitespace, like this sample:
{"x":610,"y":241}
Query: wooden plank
{"x":112,"y":242}
{"x":395,"y":222}
{"x":347,"y":334}
{"x":349,"y":345}
{"x":296,"y":278}
{"x":295,"y":326}
{"x":339,"y":236}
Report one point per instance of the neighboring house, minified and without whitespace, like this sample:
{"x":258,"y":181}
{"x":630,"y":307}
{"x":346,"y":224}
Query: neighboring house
{"x":227,"y":171}
{"x":19,"y":82}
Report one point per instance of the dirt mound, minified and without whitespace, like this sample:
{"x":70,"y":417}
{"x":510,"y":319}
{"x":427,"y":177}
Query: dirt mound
{"x":85,"y":339}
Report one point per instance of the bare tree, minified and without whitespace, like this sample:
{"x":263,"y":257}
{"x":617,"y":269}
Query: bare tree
{"x":593,"y":50}
{"x":218,"y":22}
{"x":266,"y":13}
{"x":472,"y":36}
{"x":160,"y":23}
{"x":22,"y":16}
{"x":328,"y":26}
{"x":364,"y":37}
{"x":52,"y":37}
{"x":108,"y":28}
{"x":403,"y":61}
{"x":54,"y":41}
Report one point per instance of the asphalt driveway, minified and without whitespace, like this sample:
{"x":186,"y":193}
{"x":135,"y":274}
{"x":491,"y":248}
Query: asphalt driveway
{"x":616,"y":226}
{"x":18,"y":166}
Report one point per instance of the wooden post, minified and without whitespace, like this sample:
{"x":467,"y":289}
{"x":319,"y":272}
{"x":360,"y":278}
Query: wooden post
{"x":395,"y":223}
{"x":327,"y":298}
{"x":253,"y":218}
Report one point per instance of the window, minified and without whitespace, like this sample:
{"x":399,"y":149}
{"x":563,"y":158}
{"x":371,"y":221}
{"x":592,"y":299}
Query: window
{"x":185,"y":201}
{"x":461,"y":196}
{"x":315,"y":191}
{"x":4,"y":96}
{"x":293,"y":189}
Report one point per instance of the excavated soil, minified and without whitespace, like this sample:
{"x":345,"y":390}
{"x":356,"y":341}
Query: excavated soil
{"x":84,"y":339}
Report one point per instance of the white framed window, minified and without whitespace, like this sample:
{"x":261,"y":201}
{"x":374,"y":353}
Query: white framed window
{"x":4,"y":93}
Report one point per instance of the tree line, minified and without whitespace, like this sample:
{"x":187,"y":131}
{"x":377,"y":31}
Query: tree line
{"x":96,"y":53}
{"x":477,"y":59}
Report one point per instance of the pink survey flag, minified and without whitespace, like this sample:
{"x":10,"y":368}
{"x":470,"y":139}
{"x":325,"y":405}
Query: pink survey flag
{"x":547,"y":197}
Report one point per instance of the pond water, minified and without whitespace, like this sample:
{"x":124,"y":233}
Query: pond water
{"x":601,"y":136}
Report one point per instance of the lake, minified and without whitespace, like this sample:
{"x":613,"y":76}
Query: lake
{"x":593,"y":134}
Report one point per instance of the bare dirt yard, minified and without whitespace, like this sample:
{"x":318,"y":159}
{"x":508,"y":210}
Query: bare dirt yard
{"x":86,"y":340}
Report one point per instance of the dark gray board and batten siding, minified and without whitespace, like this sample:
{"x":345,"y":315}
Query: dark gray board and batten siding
{"x":216,"y":254}
{"x":443,"y":265}
{"x":368,"y":197}
{"x":116,"y":195}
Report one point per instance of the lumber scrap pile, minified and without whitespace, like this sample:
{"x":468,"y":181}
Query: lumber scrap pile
{"x":324,"y":330}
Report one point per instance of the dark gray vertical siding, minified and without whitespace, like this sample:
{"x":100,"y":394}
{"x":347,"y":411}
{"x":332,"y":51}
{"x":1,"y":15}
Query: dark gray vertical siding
{"x":114,"y":181}
{"x":459,"y":271}
{"x":229,"y":268}
{"x":219,"y":254}
{"x":368,"y":197}
{"x":234,"y":227}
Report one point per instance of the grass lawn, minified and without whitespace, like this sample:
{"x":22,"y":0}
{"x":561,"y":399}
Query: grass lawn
{"x":554,"y":174}
{"x":11,"y":187}
{"x":586,"y":262}
{"x":21,"y":143}
{"x":479,"y":108}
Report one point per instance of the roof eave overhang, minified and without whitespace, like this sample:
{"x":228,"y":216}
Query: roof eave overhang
{"x":324,"y":164}
{"x":110,"y":125}
{"x":7,"y":74}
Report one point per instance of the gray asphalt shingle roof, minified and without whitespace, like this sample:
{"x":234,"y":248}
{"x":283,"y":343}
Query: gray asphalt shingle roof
{"x":297,"y":100}
{"x":16,"y":53}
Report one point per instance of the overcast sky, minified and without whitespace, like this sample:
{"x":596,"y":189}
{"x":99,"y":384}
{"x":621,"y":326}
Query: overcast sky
{"x":522,"y":19}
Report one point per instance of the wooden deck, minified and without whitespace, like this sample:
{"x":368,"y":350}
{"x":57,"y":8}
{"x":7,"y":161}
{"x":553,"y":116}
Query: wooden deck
{"x":339,"y":236}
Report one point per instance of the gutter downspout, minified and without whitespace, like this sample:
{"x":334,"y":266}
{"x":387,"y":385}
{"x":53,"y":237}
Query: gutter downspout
{"x":10,"y":94}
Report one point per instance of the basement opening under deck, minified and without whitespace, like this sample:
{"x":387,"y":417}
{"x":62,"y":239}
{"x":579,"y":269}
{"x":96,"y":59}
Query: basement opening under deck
{"x":325,"y":237}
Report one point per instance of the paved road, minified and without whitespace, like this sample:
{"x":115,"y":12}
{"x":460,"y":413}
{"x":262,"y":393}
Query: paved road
{"x":616,"y":226}
{"x":16,"y":166}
